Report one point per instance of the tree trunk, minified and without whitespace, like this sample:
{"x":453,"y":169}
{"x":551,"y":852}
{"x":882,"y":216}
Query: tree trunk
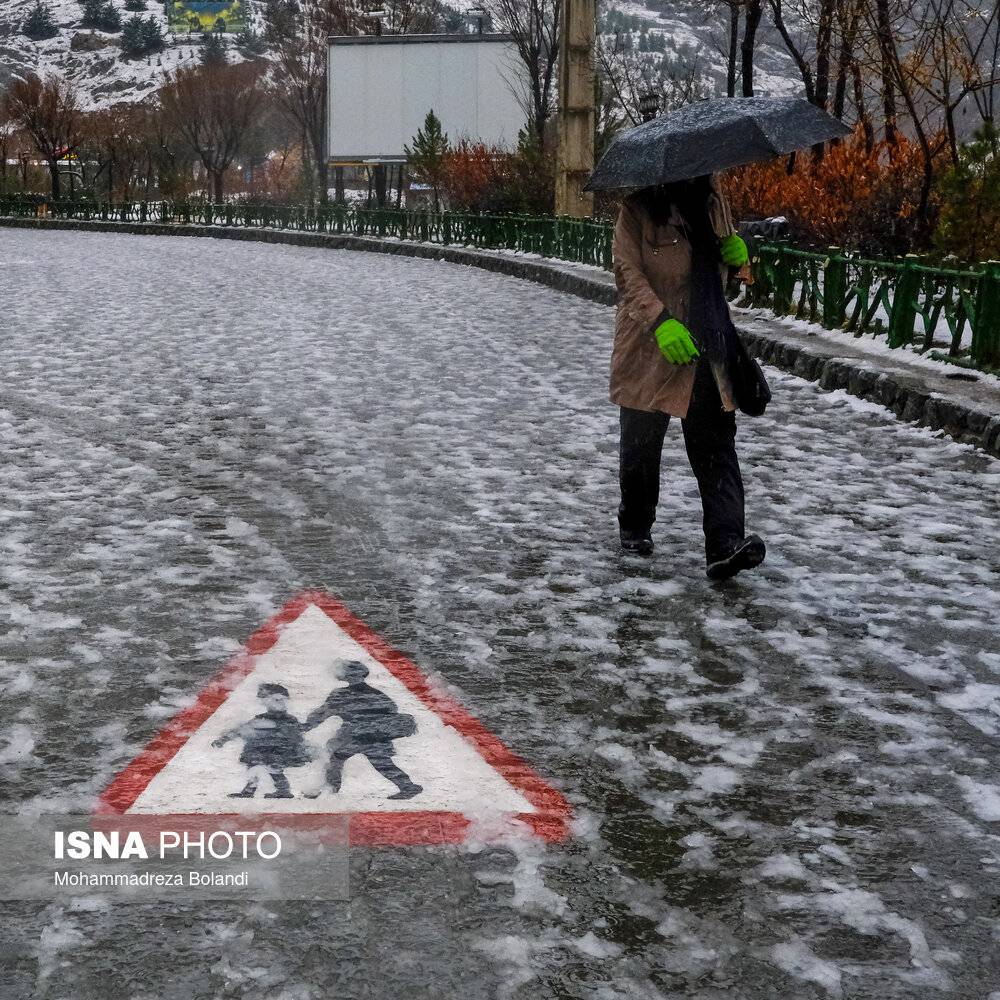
{"x":949,"y":120}
{"x":399,"y":189}
{"x":380,"y":192}
{"x":338,"y":185}
{"x":885,"y":45}
{"x":308,"y":172}
{"x":323,"y":174}
{"x":217,"y":176}
{"x":754,"y":11}
{"x":824,"y":42}
{"x":734,"y":46}
{"x":862,"y":108}
{"x":54,"y":174}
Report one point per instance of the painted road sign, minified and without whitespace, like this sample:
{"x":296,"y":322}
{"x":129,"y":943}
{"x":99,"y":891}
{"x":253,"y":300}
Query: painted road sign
{"x":319,"y":716}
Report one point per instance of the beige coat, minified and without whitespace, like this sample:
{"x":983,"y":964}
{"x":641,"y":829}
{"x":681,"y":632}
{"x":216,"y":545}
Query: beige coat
{"x":652,"y":271}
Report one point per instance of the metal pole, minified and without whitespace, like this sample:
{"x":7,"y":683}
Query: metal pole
{"x":575,"y":155}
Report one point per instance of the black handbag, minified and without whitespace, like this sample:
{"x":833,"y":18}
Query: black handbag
{"x":750,"y":389}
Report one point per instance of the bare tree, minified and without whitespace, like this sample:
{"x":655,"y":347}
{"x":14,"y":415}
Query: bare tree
{"x":627,"y":74}
{"x":954,"y":58}
{"x":8,"y":134}
{"x":535,"y":27}
{"x":214,"y":109}
{"x":47,"y":111}
{"x":748,"y":47}
{"x":986,"y":97}
{"x":115,"y":141}
{"x":297,"y":33}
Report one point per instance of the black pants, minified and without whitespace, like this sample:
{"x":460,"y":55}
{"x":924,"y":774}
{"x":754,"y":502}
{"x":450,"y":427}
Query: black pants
{"x":710,"y":440}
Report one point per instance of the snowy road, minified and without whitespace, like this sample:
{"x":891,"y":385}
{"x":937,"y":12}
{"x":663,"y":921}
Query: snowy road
{"x":783,"y":788}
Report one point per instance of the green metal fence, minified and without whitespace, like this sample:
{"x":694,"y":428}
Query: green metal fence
{"x":907,"y":301}
{"x":576,"y":240}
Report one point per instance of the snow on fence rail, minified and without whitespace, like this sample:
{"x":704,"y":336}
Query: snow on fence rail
{"x":910,"y":302}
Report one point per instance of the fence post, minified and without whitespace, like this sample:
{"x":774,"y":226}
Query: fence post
{"x":985,"y":349}
{"x":834,"y":289}
{"x":784,"y":282}
{"x":904,"y":303}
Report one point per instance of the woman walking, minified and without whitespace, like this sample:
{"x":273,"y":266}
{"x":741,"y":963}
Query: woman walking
{"x":673,"y":349}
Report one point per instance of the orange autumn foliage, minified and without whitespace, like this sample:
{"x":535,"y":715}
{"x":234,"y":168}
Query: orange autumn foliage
{"x":852,"y":197}
{"x":482,"y":178}
{"x":470,"y":171}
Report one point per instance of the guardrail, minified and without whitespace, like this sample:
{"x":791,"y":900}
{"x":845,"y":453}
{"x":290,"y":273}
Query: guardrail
{"x":906,"y":300}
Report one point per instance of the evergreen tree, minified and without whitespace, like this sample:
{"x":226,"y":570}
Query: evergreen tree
{"x":969,"y":223}
{"x":141,"y":37}
{"x":135,"y":6}
{"x":213,"y":50}
{"x":427,"y":155}
{"x":250,"y":42}
{"x":152,"y":36}
{"x":101,"y":14}
{"x":39,"y":24}
{"x":132,"y":37}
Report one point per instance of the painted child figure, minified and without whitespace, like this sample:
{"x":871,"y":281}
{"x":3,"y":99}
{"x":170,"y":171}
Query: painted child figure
{"x":272,"y":742}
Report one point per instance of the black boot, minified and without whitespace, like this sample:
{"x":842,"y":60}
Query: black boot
{"x":746,"y":554}
{"x":638,"y":542}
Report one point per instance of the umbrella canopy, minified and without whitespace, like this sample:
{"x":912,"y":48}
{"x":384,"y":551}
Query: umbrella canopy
{"x":709,"y":136}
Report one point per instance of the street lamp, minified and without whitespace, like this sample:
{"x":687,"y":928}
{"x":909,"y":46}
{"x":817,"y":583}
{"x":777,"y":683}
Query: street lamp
{"x":478,"y":16}
{"x":649,"y":105}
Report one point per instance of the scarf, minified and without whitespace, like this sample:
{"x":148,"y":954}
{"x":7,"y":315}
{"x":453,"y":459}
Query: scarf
{"x":708,"y":311}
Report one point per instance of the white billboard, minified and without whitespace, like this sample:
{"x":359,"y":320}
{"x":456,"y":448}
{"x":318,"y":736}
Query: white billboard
{"x":382,"y":86}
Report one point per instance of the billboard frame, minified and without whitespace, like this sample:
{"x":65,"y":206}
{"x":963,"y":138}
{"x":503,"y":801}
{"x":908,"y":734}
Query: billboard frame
{"x":361,"y":159}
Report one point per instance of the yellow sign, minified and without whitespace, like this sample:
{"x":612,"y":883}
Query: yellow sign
{"x":200,"y":16}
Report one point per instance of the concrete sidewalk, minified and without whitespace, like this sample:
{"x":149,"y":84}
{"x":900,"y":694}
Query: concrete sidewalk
{"x":964,"y":404}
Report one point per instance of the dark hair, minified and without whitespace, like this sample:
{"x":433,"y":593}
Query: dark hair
{"x":265,"y":689}
{"x":691,"y":198}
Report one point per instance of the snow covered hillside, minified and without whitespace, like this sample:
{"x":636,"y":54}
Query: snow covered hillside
{"x":93,"y":59}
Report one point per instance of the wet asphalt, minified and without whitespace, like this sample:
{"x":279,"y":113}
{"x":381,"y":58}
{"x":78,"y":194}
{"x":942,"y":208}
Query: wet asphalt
{"x":783,"y":787}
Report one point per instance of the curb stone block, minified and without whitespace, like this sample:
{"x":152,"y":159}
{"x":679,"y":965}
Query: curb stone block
{"x":991,"y":435}
{"x":885,"y":390}
{"x":835,"y":374}
{"x":805,"y":365}
{"x":861,"y":382}
{"x":976,"y":421}
{"x":915,"y":406}
{"x":952,"y":417}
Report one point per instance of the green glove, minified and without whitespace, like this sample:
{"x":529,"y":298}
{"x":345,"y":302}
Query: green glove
{"x":734,"y":250}
{"x":675,"y":342}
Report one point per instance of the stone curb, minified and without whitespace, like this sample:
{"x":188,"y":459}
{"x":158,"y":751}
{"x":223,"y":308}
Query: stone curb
{"x":907,"y":397}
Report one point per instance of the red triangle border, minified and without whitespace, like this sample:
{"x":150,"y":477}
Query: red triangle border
{"x":550,"y":821}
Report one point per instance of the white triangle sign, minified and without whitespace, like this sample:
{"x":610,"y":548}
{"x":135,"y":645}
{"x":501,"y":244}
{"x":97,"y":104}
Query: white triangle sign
{"x":318,"y":715}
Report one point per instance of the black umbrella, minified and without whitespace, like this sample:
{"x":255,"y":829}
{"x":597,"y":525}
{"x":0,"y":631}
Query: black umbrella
{"x":709,"y":136}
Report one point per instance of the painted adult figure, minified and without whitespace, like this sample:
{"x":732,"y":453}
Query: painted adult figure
{"x":370,"y":721}
{"x":673,"y":341}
